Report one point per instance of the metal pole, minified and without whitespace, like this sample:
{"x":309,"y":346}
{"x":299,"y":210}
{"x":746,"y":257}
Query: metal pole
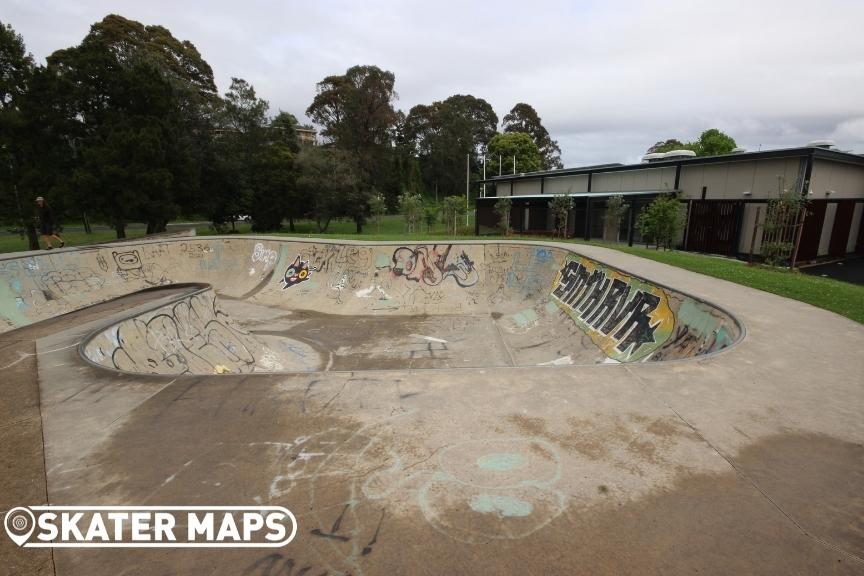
{"x":467,"y":184}
{"x":484,"y":177}
{"x":514,"y":164}
{"x":500,"y":167}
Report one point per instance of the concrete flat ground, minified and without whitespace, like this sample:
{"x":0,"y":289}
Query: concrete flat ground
{"x":436,"y":444}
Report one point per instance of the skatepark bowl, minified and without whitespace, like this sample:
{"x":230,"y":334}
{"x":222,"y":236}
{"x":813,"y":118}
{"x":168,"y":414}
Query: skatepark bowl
{"x":493,"y":407}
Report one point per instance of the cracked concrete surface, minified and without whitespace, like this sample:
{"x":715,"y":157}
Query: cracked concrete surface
{"x":748,"y":461}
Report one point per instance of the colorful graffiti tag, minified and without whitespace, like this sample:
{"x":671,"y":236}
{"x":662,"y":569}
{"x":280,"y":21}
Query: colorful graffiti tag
{"x":430,"y":266}
{"x":626,"y":318}
{"x":296,"y":273}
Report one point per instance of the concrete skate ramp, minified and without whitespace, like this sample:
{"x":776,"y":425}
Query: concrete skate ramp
{"x":281,"y":306}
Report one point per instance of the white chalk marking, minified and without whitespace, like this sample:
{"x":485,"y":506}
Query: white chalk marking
{"x":429,"y":338}
{"x":563,"y":361}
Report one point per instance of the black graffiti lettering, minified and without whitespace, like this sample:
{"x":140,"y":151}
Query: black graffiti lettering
{"x":581,"y":284}
{"x":334,"y":529}
{"x":568,"y":279}
{"x":368,"y":548}
{"x":624,"y":310}
{"x":615,"y":299}
{"x":595,"y":297}
{"x":637,"y":328}
{"x":431,"y":266}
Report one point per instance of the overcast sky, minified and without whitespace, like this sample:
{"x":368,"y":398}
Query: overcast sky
{"x":608,"y":78}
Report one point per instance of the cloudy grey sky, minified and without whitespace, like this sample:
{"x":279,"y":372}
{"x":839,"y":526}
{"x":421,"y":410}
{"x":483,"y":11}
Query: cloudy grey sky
{"x":608,"y":78}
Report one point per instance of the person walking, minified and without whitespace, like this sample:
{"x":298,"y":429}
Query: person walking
{"x":47,"y":223}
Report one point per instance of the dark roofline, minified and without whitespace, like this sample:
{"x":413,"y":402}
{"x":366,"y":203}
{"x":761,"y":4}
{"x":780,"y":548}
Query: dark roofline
{"x":813,"y":151}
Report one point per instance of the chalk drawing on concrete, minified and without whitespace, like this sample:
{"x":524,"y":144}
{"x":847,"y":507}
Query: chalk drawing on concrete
{"x":509,"y":485}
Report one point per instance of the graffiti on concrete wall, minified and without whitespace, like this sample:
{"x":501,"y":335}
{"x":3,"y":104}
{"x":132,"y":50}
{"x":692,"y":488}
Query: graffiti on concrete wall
{"x":191,"y":336}
{"x":699,"y":330}
{"x":263,"y":255}
{"x":431,"y":266}
{"x":625,"y":317}
{"x":130,"y":267}
{"x":296,"y":273}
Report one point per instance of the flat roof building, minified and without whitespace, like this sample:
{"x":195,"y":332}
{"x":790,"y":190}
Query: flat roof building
{"x":723,"y":195}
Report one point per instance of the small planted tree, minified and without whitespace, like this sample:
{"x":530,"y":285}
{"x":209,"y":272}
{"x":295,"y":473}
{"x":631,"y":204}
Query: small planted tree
{"x":378,"y":208}
{"x":453,"y":208}
{"x":561,"y":206}
{"x":411,"y":207}
{"x":662,"y":221}
{"x":616,"y":208}
{"x":782,"y":219}
{"x":503,"y":206}
{"x":430,"y":217}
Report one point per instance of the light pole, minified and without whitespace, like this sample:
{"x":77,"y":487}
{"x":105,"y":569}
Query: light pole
{"x":484,"y":177}
{"x":467,"y":185}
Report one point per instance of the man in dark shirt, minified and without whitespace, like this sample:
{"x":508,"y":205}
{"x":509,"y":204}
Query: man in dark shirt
{"x":46,"y":220}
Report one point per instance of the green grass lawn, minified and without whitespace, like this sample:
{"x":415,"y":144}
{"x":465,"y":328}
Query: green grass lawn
{"x":15,"y":243}
{"x":840,"y":297}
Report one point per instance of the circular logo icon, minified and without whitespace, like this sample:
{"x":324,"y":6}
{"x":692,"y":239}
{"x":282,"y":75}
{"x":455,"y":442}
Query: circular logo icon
{"x":19,"y":523}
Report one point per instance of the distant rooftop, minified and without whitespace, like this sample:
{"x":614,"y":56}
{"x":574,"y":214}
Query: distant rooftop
{"x":816,"y":151}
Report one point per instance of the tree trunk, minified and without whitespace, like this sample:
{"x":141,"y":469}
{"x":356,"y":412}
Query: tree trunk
{"x":87,"y":228}
{"x":358,"y":219}
{"x":291,"y":223}
{"x":120,"y":228}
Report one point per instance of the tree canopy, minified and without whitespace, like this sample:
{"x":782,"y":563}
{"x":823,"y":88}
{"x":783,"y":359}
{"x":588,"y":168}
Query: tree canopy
{"x":127,"y":126}
{"x":444,"y":134}
{"x":506,"y":146}
{"x":524,"y":118}
{"x":711,"y":142}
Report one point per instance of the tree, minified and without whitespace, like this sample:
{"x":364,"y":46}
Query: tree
{"x":506,"y":146}
{"x":355,"y":111}
{"x":503,"y":206}
{"x":136,"y":96}
{"x":711,"y":142}
{"x":662,"y":221}
{"x":274,"y":187}
{"x":782,"y":220}
{"x":378,"y":208}
{"x":330,"y":178}
{"x":666,"y":146}
{"x":523,"y":118}
{"x":283,"y":128}
{"x":430,"y":216}
{"x":444,"y":134}
{"x":615,"y":210}
{"x":561,"y":206}
{"x":411,"y":208}
{"x":453,"y":208}
{"x":16,"y":72}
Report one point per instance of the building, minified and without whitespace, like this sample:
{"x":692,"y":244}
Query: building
{"x":724,"y":194}
{"x":306,"y":135}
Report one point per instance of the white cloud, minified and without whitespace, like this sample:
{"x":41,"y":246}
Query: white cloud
{"x":609,"y":79}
